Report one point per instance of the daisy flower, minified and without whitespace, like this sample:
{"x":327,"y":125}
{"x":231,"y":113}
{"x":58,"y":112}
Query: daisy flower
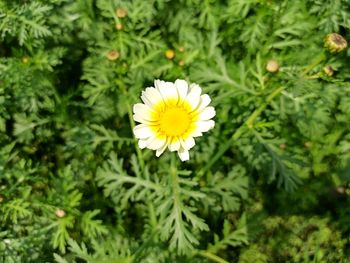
{"x":171,"y":115}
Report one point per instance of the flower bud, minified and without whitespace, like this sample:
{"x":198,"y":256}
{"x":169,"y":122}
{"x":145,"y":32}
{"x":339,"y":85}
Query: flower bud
{"x":25,"y":60}
{"x":272,"y":66}
{"x":341,"y":190}
{"x":328,"y":70}
{"x":60,"y":213}
{"x":283,"y":146}
{"x":308,"y":144}
{"x":113,"y":55}
{"x":181,"y":49}
{"x":120,"y":12}
{"x":170,"y":54}
{"x":335,"y":43}
{"x":181,"y":63}
{"x":119,"y":26}
{"x":1,"y":198}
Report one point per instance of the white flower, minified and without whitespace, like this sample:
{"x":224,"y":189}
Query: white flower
{"x":171,"y":115}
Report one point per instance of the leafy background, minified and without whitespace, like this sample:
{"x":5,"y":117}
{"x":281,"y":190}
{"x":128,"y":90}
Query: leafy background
{"x":269,"y":184}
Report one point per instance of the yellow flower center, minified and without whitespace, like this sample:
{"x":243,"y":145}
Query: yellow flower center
{"x":174,"y":121}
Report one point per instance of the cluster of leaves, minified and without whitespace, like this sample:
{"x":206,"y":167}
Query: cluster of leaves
{"x":269,"y":183}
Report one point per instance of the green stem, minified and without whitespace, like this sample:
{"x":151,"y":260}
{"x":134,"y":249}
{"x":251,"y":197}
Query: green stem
{"x":152,"y":215}
{"x":315,"y":76}
{"x":317,"y":61}
{"x":247,"y":124}
{"x":174,"y":181}
{"x":211,"y":256}
{"x":135,"y":257}
{"x":174,"y":178}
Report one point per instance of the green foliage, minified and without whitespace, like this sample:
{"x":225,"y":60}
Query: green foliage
{"x":27,"y":23}
{"x":297,"y":240}
{"x":270,"y":183}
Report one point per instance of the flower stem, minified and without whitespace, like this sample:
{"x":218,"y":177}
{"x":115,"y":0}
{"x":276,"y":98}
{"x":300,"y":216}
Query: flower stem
{"x":247,"y":124}
{"x":317,"y":61}
{"x":174,"y":179}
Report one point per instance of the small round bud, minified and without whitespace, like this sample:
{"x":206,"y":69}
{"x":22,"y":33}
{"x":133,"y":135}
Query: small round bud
{"x":1,"y":199}
{"x":170,"y":54}
{"x":283,"y":146}
{"x":119,"y":26}
{"x":328,"y":70}
{"x":60,"y":213}
{"x":181,"y":63}
{"x":181,"y":49}
{"x":341,"y":190}
{"x":25,"y":60}
{"x":308,"y":144}
{"x":120,"y":12}
{"x":257,"y":207}
{"x":335,"y":43}
{"x":113,"y":55}
{"x":272,"y":66}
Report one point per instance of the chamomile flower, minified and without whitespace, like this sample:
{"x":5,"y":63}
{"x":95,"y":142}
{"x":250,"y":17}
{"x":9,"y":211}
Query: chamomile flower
{"x":171,"y":116}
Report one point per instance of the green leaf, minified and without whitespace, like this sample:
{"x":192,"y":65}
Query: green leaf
{"x":15,"y":209}
{"x":61,"y":235}
{"x":92,"y":227}
{"x":233,"y":238}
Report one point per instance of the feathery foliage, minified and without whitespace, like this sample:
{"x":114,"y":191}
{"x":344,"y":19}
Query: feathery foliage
{"x":270,"y":183}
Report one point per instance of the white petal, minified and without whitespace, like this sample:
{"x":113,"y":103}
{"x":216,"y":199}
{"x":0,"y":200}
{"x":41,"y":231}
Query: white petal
{"x":193,"y":96}
{"x":151,"y":96}
{"x":196,"y":133}
{"x":143,"y":131}
{"x":166,"y":89}
{"x":145,"y":100}
{"x":188,"y":143}
{"x":143,"y":143}
{"x":183,"y":154}
{"x":156,"y":143}
{"x":207,"y":114}
{"x":161,"y":150}
{"x":141,"y":119}
{"x":204,"y":102}
{"x":142,"y":113}
{"x":182,"y":89}
{"x":174,"y":145}
{"x":204,"y":126}
{"x":140,"y":108}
